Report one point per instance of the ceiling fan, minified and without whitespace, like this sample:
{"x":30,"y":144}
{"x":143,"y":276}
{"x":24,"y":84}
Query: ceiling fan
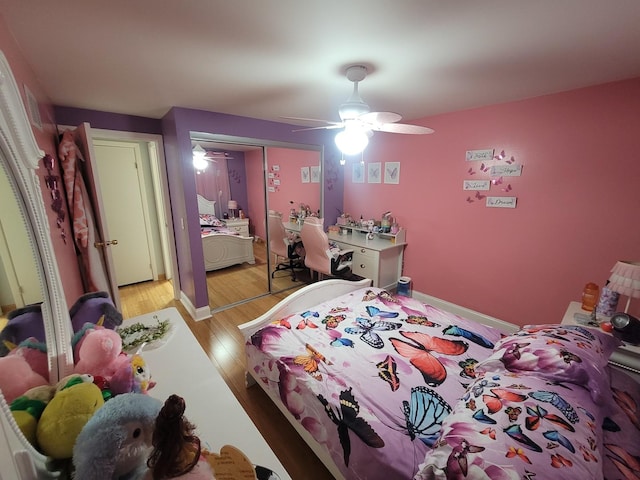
{"x":359,"y":122}
{"x":201,"y":157}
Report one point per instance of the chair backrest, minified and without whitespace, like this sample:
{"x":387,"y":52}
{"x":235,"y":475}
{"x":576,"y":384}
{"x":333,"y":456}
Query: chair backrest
{"x":316,"y":244}
{"x":277,"y":234}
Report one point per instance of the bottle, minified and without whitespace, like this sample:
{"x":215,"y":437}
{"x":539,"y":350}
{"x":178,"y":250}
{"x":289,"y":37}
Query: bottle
{"x":608,"y":302}
{"x":590,"y":296}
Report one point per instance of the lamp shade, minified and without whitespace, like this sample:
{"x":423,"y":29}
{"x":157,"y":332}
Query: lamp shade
{"x":352,"y":141}
{"x":232,"y":205}
{"x":625,"y":278}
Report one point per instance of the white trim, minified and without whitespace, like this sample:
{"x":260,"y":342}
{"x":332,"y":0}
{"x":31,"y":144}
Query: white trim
{"x":197,"y":314}
{"x":21,"y":155}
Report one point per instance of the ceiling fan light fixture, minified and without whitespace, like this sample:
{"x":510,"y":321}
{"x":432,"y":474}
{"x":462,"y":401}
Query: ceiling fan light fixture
{"x":199,"y":161}
{"x":352,"y":141}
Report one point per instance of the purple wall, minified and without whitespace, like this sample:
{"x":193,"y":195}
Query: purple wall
{"x":177,"y":126}
{"x":110,"y":121}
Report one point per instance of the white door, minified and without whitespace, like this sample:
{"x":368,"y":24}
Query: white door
{"x":119,"y":173}
{"x":102,"y":248}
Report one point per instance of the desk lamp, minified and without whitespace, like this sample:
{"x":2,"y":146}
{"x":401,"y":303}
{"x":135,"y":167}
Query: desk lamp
{"x":232,"y":206}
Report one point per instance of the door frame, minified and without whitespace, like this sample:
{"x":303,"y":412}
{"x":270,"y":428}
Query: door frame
{"x":157,"y":161}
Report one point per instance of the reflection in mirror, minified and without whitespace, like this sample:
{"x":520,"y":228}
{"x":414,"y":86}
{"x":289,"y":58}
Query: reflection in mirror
{"x":19,"y":157}
{"x":244,"y":164}
{"x":229,"y":187}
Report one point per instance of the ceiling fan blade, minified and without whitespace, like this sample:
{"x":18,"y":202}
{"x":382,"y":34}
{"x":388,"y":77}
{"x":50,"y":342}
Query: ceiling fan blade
{"x":324,"y":127}
{"x":313,"y":120}
{"x":403,"y":128}
{"x":380,"y":117}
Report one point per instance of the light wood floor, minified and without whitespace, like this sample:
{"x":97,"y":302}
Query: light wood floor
{"x":224,"y":345}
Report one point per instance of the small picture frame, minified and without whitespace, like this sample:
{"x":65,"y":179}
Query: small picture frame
{"x":357,"y":173}
{"x":305,"y":175}
{"x":392,"y":172}
{"x":315,"y":174}
{"x":374,"y":173}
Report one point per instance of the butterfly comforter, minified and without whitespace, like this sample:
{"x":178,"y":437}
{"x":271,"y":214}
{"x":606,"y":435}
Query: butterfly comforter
{"x":394,"y":389}
{"x":371,"y":376}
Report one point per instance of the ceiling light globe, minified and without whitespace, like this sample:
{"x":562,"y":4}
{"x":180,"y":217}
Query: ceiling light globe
{"x":200,"y":163}
{"x":352,"y":142}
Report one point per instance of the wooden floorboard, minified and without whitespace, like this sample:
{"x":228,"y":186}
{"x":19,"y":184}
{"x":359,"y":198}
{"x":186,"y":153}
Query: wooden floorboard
{"x":224,"y":345}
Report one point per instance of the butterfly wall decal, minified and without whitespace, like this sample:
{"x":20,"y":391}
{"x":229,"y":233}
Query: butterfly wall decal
{"x":479,"y":196}
{"x":311,"y":361}
{"x":484,"y":168}
{"x":424,"y":414}
{"x":471,"y":171}
{"x":387,"y":371}
{"x":367,"y":330}
{"x":419,"y":349}
{"x":346,"y":418}
{"x":497,"y":181}
{"x":500,"y":156}
{"x":507,"y":188}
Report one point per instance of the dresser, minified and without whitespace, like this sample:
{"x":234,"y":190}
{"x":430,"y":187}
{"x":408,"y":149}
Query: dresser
{"x":379,"y":259}
{"x":240,"y":225}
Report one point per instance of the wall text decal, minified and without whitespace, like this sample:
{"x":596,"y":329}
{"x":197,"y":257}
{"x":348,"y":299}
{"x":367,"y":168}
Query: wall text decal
{"x":506,"y":170}
{"x":501,"y":202}
{"x":474,"y":155}
{"x":476,"y":184}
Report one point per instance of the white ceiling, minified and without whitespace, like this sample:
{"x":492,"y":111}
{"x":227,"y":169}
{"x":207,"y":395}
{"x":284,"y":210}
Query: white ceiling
{"x":272,"y":58}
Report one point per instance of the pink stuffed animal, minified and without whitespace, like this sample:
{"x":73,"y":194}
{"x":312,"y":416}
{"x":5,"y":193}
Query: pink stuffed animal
{"x":17,"y":376}
{"x":99,"y":353}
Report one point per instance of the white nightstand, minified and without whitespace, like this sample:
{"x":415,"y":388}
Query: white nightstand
{"x":625,"y":356}
{"x":240,"y":225}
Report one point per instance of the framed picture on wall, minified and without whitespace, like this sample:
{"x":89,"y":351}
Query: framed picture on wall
{"x":374,"y":175}
{"x":357,"y":174}
{"x":315,"y":174}
{"x":392,"y":172}
{"x":305,"y":175}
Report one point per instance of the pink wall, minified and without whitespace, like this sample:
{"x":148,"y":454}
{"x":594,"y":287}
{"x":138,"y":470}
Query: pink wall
{"x":46,"y":139}
{"x":255,"y":192}
{"x":291,"y":187}
{"x":577,"y":210}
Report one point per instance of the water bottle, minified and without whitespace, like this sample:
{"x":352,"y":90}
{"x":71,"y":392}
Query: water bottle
{"x":590,"y":296}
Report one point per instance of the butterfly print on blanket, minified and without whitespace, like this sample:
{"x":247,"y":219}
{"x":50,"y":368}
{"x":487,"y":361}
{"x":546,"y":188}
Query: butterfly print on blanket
{"x":419,"y":349}
{"x":311,"y":361}
{"x":332,"y":321}
{"x":469,"y":335}
{"x":346,"y":418}
{"x":424,"y":414}
{"x":367,"y":330}
{"x":537,"y":414}
{"x":557,"y":401}
{"x":458,"y":463}
{"x":494,"y":400}
{"x":387,"y":371}
{"x":384,"y":296}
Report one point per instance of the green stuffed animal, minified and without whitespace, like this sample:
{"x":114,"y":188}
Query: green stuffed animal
{"x":64,"y":417}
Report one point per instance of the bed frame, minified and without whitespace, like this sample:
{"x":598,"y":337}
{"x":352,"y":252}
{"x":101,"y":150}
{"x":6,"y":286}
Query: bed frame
{"x":222,"y":251}
{"x":310,"y":296}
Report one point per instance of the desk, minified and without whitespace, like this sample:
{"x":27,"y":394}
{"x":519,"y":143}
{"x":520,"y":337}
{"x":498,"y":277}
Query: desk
{"x":379,"y":259}
{"x":180,"y":366}
{"x":626,"y":355}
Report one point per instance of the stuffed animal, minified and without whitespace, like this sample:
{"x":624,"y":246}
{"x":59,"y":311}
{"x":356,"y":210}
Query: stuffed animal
{"x":116,"y":442}
{"x":99,"y":353}
{"x":177,"y":452}
{"x":65,"y":416}
{"x":17,"y":376}
{"x":27,"y":409}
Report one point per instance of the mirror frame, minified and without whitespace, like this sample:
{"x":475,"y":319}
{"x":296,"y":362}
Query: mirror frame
{"x":20,"y":157}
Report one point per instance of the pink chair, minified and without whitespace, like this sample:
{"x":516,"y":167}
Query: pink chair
{"x":319,"y":256}
{"x":281,"y":246}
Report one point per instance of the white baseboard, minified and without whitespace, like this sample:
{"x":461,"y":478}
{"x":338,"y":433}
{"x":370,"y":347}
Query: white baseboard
{"x":201,"y":313}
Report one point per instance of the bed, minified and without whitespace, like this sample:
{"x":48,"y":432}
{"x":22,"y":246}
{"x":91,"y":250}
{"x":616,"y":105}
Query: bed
{"x":221,"y":246}
{"x":383,"y":386}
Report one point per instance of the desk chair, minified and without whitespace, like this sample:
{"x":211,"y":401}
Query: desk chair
{"x":319,"y":256}
{"x":281,"y":246}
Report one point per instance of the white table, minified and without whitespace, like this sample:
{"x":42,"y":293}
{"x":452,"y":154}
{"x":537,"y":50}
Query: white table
{"x":180,"y":366}
{"x":626,"y":356}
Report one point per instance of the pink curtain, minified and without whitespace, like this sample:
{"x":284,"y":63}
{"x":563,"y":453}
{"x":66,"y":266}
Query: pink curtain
{"x":213,"y":184}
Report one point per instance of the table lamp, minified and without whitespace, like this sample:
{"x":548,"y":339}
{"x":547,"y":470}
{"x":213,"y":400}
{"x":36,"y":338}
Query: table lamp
{"x":625,"y":279}
{"x":232,"y":206}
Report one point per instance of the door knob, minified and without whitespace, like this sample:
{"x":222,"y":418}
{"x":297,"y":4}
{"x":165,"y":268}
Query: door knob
{"x":105,"y":244}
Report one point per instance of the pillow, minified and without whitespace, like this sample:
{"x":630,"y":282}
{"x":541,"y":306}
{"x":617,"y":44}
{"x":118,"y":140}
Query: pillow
{"x":210,"y":220}
{"x":559,"y":353}
{"x":512,"y":426}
